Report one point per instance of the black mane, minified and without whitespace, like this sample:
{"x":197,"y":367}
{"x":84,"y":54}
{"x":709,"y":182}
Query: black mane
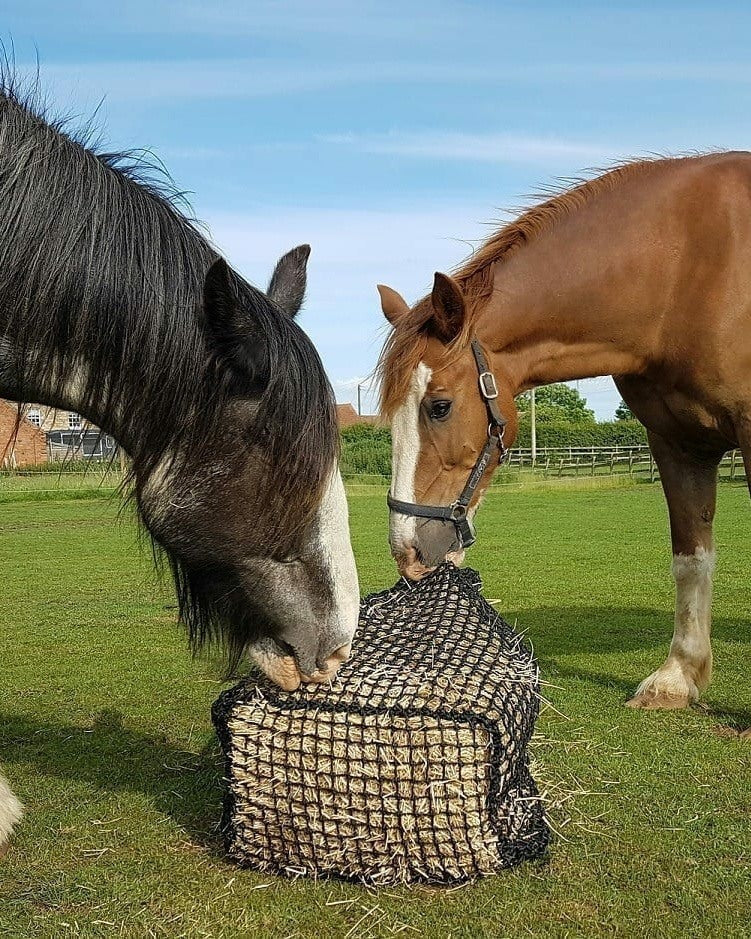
{"x":98,"y":264}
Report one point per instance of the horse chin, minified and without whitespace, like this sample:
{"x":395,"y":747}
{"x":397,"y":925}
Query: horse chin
{"x":416,"y":570}
{"x":411,"y":565}
{"x":282,"y":669}
{"x":277,"y":664}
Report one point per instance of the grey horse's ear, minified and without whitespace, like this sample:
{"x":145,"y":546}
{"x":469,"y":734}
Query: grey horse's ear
{"x":288,"y":282}
{"x":233,"y":336}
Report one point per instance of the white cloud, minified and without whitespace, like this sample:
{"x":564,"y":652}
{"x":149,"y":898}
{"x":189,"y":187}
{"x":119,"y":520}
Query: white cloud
{"x":160,"y":80}
{"x":294,"y":17}
{"x":493,"y":147}
{"x":734,"y":72}
{"x":258,"y":77}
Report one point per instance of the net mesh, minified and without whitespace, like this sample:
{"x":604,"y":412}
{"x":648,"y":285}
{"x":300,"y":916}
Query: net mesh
{"x":411,"y":765}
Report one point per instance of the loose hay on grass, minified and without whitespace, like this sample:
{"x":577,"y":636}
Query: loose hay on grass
{"x":411,"y":766}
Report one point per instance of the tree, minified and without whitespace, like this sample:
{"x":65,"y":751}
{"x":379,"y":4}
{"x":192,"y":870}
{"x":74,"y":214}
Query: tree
{"x":557,"y":402}
{"x":624,"y":413}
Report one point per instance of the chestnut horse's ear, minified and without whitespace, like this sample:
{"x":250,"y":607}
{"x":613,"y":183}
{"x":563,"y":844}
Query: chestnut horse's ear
{"x":448,"y":308}
{"x":393,"y":304}
{"x":289,"y":280}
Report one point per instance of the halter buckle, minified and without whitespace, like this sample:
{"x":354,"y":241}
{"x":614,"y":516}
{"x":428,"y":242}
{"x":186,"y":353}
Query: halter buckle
{"x":465,"y":531}
{"x":488,"y":387}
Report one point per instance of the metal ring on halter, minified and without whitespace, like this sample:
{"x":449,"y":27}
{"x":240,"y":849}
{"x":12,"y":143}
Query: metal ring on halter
{"x":487,"y":380}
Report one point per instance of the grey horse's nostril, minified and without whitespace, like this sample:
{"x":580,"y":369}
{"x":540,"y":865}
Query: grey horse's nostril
{"x":329,"y":668}
{"x":341,"y":654}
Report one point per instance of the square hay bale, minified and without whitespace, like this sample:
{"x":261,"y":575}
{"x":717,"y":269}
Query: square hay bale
{"x":411,"y":766}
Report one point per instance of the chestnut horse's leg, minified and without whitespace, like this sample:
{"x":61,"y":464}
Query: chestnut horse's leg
{"x":744,"y":434}
{"x":690,"y":485}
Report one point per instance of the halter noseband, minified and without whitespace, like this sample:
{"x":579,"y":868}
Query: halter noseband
{"x":457,"y":511}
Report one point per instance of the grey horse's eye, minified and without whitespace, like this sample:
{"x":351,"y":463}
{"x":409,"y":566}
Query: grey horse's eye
{"x":439,"y":410}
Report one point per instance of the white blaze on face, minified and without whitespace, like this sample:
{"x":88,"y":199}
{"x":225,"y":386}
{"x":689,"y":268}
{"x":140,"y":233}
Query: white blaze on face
{"x":320,"y":651}
{"x":336,"y":548}
{"x":405,"y":434}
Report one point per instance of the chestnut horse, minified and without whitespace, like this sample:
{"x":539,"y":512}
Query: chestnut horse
{"x":643,"y":274}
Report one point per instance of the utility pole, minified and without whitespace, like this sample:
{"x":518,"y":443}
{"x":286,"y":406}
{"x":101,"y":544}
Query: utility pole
{"x":533,"y":419}
{"x":359,"y":400}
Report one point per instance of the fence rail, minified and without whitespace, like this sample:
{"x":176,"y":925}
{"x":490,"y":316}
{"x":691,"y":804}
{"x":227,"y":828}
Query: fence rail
{"x":608,"y":461}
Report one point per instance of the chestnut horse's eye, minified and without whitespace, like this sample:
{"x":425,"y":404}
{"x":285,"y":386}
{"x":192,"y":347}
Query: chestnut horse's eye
{"x":439,"y":410}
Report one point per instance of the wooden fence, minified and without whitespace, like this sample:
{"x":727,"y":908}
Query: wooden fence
{"x":607,"y":461}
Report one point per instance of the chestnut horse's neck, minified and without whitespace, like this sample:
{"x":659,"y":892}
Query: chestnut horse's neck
{"x":537,"y":344}
{"x":592,"y":294}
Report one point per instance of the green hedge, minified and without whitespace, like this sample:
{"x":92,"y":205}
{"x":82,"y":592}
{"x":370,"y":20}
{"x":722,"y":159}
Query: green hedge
{"x":366,"y":449}
{"x":566,"y":434}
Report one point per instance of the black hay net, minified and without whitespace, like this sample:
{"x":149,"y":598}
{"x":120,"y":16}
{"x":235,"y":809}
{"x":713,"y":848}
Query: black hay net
{"x":410,"y":766}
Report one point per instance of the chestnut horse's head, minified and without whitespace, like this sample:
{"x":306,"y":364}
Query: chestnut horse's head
{"x":447,"y":420}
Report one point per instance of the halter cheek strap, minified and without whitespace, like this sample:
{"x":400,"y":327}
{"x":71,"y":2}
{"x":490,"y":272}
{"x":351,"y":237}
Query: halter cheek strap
{"x":457,"y":511}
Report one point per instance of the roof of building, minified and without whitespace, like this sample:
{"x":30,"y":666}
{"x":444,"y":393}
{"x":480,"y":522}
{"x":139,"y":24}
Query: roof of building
{"x":347,"y":416}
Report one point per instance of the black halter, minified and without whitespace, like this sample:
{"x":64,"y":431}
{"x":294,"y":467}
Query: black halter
{"x":457,"y":511}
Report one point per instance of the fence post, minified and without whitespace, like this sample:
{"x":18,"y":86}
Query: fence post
{"x":732,"y":465}
{"x":630,"y":462}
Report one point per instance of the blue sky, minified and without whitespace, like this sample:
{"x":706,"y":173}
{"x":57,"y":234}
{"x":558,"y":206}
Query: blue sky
{"x":388,"y":135}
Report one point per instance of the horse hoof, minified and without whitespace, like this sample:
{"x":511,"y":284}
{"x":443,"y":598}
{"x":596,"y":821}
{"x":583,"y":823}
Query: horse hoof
{"x":659,"y":701}
{"x":667,"y":689}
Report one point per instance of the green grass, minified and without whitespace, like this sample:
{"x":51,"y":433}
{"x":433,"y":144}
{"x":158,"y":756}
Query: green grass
{"x":93,"y":484}
{"x":105,"y":735}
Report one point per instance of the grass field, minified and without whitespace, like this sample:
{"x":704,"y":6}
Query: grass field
{"x":105,"y":735}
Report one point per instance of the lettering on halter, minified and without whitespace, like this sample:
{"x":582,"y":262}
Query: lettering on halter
{"x":479,"y":470}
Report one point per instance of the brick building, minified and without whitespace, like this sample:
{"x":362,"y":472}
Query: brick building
{"x":21,"y":442}
{"x":60,"y":435}
{"x":49,"y":419}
